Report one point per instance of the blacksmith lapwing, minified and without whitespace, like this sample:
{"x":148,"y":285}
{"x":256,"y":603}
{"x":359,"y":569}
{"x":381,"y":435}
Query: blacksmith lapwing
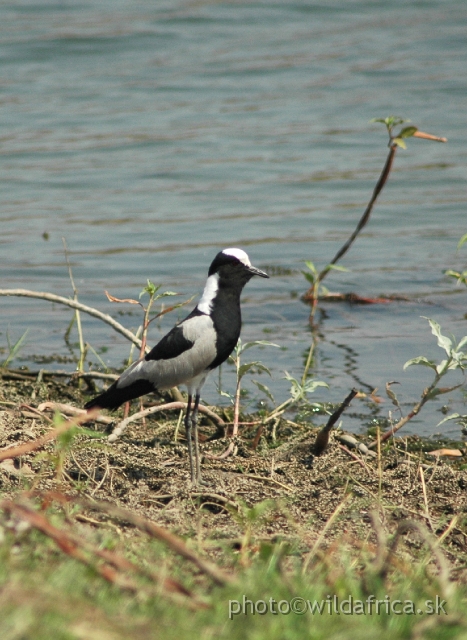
{"x":194,"y":347}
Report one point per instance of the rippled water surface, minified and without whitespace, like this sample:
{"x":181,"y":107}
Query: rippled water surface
{"x":152,"y":134}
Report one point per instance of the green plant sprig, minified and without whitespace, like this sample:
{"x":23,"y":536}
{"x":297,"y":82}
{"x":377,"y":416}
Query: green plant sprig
{"x":460,"y":276}
{"x":13,"y":349}
{"x":151,"y":290}
{"x":396,"y":140}
{"x":455,"y":359}
{"x":298,"y":393}
{"x":243,"y":368}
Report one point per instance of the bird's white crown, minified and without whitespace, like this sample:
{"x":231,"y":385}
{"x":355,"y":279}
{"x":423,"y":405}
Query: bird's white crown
{"x":239,"y":254}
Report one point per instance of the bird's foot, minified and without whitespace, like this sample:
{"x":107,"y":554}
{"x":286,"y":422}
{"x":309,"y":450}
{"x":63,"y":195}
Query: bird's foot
{"x":197,"y":482}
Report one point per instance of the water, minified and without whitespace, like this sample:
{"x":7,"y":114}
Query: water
{"x":151,"y":135}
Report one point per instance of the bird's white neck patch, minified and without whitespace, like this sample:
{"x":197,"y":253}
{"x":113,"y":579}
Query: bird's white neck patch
{"x":239,"y":254}
{"x":209,"y":293}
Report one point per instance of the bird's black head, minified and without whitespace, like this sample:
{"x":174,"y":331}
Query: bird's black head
{"x":234,"y":264}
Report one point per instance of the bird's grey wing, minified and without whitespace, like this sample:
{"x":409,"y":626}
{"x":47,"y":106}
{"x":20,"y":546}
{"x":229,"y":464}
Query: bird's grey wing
{"x":171,"y":345}
{"x":185,"y":352}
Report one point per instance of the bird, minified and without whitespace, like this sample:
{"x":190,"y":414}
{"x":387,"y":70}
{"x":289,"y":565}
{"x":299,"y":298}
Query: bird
{"x":192,"y":348}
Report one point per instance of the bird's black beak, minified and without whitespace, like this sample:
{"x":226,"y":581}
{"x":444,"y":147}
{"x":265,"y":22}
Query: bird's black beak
{"x":257,"y":272}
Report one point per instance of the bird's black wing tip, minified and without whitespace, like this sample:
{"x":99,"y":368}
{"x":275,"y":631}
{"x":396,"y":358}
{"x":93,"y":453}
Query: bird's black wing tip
{"x":92,"y":404}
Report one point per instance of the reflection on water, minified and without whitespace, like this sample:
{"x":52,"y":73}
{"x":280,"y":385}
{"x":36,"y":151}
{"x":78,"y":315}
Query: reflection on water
{"x":152,"y":136}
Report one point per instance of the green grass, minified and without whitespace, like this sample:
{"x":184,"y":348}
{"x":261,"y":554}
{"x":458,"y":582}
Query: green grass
{"x":44,"y":593}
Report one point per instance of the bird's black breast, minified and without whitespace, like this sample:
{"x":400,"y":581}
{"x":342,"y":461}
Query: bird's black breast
{"x":227,"y":320}
{"x":171,"y":345}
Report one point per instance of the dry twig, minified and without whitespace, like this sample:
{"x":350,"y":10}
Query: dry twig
{"x":174,"y":542}
{"x":155,"y":531}
{"x":170,"y":406}
{"x":322,"y":439}
{"x":27,"y":447}
{"x":73,"y":304}
{"x":75,"y":546}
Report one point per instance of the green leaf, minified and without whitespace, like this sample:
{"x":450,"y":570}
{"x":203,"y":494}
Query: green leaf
{"x":460,"y":277}
{"x":13,"y":350}
{"x":298,"y":391}
{"x":337,"y":267}
{"x":150,"y":289}
{"x":407,"y":132}
{"x":241,"y":347}
{"x":224,"y":394}
{"x":453,"y":416}
{"x":264,"y":389}
{"x":260,"y":343}
{"x":420,"y":360}
{"x":457,"y":363}
{"x":462,"y":241}
{"x":65,"y":438}
{"x":443,"y":341}
{"x":311,"y":266}
{"x":309,"y":276}
{"x":57,"y":419}
{"x":390,"y":121}
{"x":441,"y":368}
{"x":396,"y":120}
{"x":259,"y":366}
{"x":311,"y":385}
{"x":400,"y":143}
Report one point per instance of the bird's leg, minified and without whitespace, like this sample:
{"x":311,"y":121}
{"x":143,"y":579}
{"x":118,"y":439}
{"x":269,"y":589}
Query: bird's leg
{"x":194,"y":423}
{"x":188,"y":423}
